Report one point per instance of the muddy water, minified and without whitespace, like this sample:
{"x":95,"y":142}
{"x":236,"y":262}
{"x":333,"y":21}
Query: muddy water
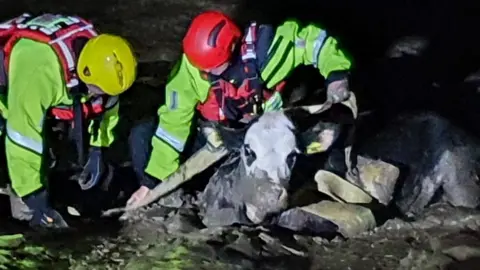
{"x":438,"y":240}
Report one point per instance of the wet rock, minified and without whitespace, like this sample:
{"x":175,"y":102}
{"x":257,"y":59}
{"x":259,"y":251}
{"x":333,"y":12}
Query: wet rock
{"x":183,"y":221}
{"x":276,"y":247}
{"x":144,"y":231}
{"x":214,"y":231}
{"x":320,"y":240}
{"x":462,"y":253}
{"x":174,"y":200}
{"x":423,"y":260}
{"x":340,"y":189}
{"x":442,"y":214}
{"x":467,"y":264}
{"x":459,"y":246}
{"x":11,"y":241}
{"x":301,"y":221}
{"x":376,"y":177}
{"x":73,"y":211}
{"x":158,"y":213}
{"x":350,"y":219}
{"x":244,"y":245}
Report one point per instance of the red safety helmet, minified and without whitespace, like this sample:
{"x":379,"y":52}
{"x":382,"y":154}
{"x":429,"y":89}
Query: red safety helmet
{"x":210,"y":40}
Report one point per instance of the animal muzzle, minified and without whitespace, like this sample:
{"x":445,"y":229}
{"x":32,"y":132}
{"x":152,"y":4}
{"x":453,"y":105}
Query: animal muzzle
{"x":275,"y":176}
{"x":269,"y":200}
{"x":277,"y":197}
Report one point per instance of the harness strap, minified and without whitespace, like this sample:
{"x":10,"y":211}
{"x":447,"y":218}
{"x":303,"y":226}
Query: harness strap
{"x":248,"y":46}
{"x":78,"y":124}
{"x":3,"y":86}
{"x":3,"y":73}
{"x":249,"y":57}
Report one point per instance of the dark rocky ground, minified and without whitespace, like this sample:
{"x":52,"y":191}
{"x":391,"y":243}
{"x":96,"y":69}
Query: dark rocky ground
{"x":445,"y":238}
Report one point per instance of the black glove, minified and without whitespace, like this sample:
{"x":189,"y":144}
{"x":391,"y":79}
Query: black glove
{"x":234,"y":109}
{"x":43,"y":215}
{"x":93,"y":171}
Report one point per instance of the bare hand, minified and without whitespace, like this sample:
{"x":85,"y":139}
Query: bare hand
{"x":138,"y":196}
{"x":338,"y":91}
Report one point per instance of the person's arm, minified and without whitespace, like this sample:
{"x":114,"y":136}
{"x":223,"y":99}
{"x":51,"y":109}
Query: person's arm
{"x":184,"y":90}
{"x":294,"y":45}
{"x":35,"y":84}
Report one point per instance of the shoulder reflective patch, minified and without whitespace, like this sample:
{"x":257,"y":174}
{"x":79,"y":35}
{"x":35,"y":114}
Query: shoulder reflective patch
{"x":300,"y":43}
{"x":317,"y":47}
{"x":171,"y":140}
{"x":173,"y":100}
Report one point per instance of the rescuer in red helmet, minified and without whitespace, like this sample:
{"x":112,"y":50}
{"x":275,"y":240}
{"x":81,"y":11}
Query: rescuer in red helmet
{"x":228,"y":76}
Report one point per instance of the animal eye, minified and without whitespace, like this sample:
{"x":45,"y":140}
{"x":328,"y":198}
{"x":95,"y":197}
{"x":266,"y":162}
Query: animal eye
{"x":248,"y":150}
{"x":249,"y":154}
{"x":291,"y":158}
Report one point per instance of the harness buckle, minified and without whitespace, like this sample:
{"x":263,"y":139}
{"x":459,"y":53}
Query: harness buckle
{"x":257,"y":104}
{"x":249,"y":47}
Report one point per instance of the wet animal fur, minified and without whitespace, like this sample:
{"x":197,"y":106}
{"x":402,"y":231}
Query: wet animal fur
{"x":434,"y":155}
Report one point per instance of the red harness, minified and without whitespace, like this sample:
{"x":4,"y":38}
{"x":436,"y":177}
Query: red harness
{"x":94,"y":107}
{"x":247,"y":96}
{"x":59,"y":32}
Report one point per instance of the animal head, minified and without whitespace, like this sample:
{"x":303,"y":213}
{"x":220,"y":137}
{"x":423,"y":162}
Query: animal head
{"x":270,"y":147}
{"x":272,"y":144}
{"x":257,"y":180}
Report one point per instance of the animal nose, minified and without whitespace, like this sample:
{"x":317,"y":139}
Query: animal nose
{"x":283,"y":179}
{"x":282,"y":195}
{"x":279,"y":176}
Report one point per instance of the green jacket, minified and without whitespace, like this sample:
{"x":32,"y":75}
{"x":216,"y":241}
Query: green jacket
{"x":291,"y":46}
{"x":35,"y":84}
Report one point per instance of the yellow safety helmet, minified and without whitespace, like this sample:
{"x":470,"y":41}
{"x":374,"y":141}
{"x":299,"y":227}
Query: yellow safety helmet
{"x":108,"y":61}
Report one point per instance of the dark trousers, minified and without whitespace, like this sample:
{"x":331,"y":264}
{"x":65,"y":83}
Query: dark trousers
{"x":140,"y":143}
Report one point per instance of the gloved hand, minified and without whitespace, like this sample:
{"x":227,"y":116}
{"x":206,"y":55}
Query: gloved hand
{"x":213,"y":138}
{"x":43,"y":215}
{"x":274,"y":103}
{"x":338,"y":91}
{"x":93,"y":171}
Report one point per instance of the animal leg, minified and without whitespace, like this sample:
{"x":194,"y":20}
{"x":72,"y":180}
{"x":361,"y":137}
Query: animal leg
{"x":298,"y":220}
{"x":416,"y":193}
{"x":462,"y":193}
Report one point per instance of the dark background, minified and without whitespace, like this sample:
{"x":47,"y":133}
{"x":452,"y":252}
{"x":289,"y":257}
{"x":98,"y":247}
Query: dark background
{"x":365,"y":28}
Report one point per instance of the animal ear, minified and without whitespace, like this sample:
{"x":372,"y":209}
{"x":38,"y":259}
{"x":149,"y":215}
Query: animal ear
{"x":319,"y":138}
{"x":301,"y":118}
{"x":408,"y":46}
{"x":232,"y":138}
